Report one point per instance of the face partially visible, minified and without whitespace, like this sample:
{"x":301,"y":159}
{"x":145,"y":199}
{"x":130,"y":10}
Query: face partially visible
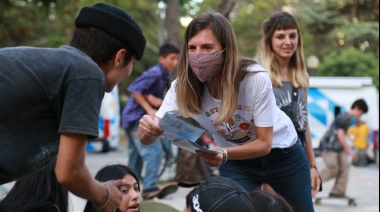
{"x":356,"y":113}
{"x":118,"y":73}
{"x":284,"y":43}
{"x":203,"y":42}
{"x":169,"y":62}
{"x":131,"y":195}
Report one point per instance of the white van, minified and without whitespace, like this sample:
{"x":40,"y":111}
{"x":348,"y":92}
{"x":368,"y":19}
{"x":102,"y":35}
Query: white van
{"x":109,"y":124}
{"x":328,"y":96}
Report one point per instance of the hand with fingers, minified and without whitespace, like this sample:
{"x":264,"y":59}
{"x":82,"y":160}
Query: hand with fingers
{"x":149,"y":126}
{"x":315,"y":180}
{"x":214,"y":160}
{"x":149,"y":130}
{"x":114,"y":196}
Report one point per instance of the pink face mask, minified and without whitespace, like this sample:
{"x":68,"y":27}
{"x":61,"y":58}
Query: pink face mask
{"x":206,"y":66}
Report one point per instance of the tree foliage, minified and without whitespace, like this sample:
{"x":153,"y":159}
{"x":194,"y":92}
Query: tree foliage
{"x":328,"y":27}
{"x":350,"y":62}
{"x":247,"y":20}
{"x":338,"y":24}
{"x":16,"y":29}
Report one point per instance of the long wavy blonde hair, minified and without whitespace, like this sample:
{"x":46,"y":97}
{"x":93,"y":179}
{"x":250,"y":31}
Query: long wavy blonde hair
{"x":189,"y":89}
{"x":297,"y":73}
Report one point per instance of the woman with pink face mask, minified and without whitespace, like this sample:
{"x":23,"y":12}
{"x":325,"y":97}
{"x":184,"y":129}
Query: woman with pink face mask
{"x":131,"y":191}
{"x":233,"y":99}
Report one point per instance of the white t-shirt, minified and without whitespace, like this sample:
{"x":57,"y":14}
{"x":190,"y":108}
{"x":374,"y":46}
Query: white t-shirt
{"x":256,"y":107}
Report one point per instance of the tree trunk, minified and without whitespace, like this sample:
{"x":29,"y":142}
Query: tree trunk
{"x":226,"y":7}
{"x":279,"y":5}
{"x":172,"y":22}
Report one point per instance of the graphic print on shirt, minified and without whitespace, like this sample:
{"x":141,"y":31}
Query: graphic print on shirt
{"x":285,"y":98}
{"x":238,"y":129}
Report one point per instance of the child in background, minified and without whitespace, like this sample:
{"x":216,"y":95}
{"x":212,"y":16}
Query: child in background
{"x":360,"y":133}
{"x":335,"y":150}
{"x":147,"y":92}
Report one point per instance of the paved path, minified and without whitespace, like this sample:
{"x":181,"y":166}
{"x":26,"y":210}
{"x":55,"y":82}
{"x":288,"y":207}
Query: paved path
{"x":363,"y":185}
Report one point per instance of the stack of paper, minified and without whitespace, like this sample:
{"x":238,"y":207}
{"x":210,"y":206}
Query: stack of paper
{"x":183,"y":134}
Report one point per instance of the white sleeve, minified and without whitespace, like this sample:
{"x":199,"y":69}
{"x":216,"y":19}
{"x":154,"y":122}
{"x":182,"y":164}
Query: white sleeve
{"x":170,"y":102}
{"x":264,"y":104}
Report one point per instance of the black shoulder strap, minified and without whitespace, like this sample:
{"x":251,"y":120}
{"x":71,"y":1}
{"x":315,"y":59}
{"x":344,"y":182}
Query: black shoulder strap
{"x":295,"y":94}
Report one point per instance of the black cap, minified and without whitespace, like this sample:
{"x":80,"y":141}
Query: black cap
{"x":220,"y":194}
{"x":114,"y":21}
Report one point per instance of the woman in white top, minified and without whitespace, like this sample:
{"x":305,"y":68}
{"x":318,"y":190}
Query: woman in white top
{"x":232,"y":98}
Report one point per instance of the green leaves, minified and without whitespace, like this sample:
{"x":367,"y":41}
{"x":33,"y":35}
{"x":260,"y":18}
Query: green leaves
{"x":350,"y":62}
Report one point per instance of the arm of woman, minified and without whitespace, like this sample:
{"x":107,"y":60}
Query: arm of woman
{"x":314,"y":175}
{"x":261,"y":146}
{"x":72,"y":173}
{"x":149,"y":130}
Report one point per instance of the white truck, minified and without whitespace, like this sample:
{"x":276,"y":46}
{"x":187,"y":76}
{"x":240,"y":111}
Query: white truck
{"x":329,"y":96}
{"x":109,"y":124}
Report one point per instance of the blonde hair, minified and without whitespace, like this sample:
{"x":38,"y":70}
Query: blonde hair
{"x":189,"y":89}
{"x":297,"y":73}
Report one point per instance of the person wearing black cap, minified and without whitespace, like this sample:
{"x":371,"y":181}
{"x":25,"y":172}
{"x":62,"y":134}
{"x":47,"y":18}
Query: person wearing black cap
{"x":218,"y":194}
{"x":264,"y":201}
{"x":51,"y":97}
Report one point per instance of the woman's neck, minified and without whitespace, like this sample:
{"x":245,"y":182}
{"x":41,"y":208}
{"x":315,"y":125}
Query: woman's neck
{"x":283,"y":65}
{"x":213,"y":88}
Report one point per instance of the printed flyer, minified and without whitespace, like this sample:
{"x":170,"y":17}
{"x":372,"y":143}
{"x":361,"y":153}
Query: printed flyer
{"x":183,"y":134}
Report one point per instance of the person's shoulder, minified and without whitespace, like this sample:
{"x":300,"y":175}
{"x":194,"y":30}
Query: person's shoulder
{"x":342,"y":116}
{"x":174,"y":82}
{"x":69,"y":50}
{"x":343,"y":120}
{"x":256,"y":73}
{"x":77,"y":57}
{"x":155,"y":70}
{"x":365,"y":126}
{"x":81,"y":65}
{"x":26,"y":50}
{"x":68,"y":54}
{"x":255,"y":68}
{"x":151,"y":74}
